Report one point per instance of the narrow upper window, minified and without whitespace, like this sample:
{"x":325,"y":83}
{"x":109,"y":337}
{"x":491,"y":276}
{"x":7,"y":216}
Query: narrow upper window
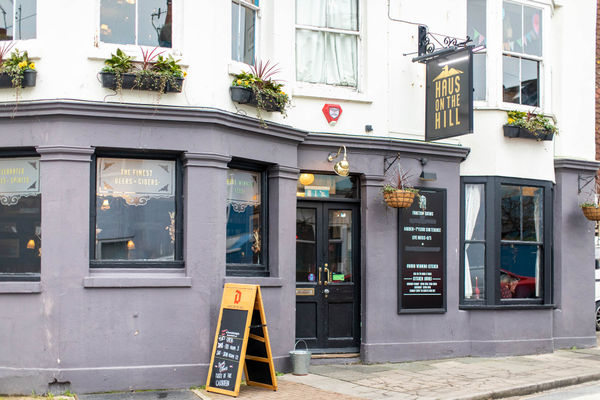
{"x":521,"y":53}
{"x":17,"y":19}
{"x":476,"y":30}
{"x":243,"y":30}
{"x":139,"y":22}
{"x":246,"y":221}
{"x":136,"y":209}
{"x":20,"y":219}
{"x":327,"y":33}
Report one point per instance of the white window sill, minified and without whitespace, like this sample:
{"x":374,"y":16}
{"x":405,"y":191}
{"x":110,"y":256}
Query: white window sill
{"x":128,"y":278}
{"x":329,"y":92}
{"x":261,"y":281}
{"x":20,"y":287}
{"x":104,"y":51}
{"x":484,"y":106}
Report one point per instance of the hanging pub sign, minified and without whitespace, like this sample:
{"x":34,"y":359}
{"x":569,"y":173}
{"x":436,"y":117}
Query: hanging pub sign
{"x":449,"y":95}
{"x":422,"y":255}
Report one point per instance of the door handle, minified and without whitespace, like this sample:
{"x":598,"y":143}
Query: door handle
{"x":320,"y":269}
{"x":326,"y":276}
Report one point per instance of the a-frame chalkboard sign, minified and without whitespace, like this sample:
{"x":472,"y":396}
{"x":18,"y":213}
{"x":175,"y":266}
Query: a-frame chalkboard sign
{"x":241,"y":341}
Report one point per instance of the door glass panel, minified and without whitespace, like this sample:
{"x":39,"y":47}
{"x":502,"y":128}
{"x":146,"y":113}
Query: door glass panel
{"x":317,"y":186}
{"x":340,"y":245}
{"x":306,"y":241}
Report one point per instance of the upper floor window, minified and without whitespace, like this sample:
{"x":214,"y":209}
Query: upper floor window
{"x":17,"y":19}
{"x":521,"y":53}
{"x":20,"y":219}
{"x":327,"y":34}
{"x":477,"y":31}
{"x":139,"y":22}
{"x":137,"y":213}
{"x":243,"y":30}
{"x":246,"y":221}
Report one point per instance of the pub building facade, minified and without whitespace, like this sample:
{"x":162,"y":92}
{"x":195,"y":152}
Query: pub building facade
{"x":122,"y":215}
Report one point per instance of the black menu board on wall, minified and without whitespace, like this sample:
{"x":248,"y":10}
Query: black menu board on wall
{"x":422,"y":254}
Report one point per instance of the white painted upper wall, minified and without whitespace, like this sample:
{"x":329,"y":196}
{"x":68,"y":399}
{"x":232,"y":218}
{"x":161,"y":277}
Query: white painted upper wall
{"x":391,"y":92}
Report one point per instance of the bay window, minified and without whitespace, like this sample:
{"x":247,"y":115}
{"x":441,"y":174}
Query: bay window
{"x":137,"y":212}
{"x":327,"y":36}
{"x":138,"y":22}
{"x":244,"y":30}
{"x":506,"y":241}
{"x":18,"y":19}
{"x":246,"y":221}
{"x":20,"y":219}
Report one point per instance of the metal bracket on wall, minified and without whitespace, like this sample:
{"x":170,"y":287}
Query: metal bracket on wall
{"x":388,"y":162}
{"x":585,"y":180}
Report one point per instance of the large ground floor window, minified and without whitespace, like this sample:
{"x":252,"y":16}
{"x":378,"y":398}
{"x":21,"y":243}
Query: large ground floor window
{"x":20,"y":219}
{"x":506,"y":241}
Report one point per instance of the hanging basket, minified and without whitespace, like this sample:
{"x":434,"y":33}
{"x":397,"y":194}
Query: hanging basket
{"x":591,"y":213}
{"x":399,"y":198}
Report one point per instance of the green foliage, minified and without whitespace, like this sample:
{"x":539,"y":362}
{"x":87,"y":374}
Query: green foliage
{"x":16,"y":65}
{"x":118,"y":63}
{"x":69,"y":393}
{"x":154,"y":72}
{"x":267,"y":91}
{"x":50,"y":395}
{"x":201,"y":387}
{"x":536,"y":123}
{"x":594,"y":205}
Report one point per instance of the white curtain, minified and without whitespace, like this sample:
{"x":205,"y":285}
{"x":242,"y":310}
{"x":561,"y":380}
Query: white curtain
{"x":472,"y":205}
{"x":326,"y":57}
{"x":537,"y":217}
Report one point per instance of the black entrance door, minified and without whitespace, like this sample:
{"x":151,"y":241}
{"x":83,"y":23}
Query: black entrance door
{"x":327,"y":276}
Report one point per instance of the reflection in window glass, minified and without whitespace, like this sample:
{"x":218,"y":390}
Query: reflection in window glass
{"x":306,"y":242}
{"x":512,"y":27}
{"x":154,"y":22}
{"x":243,"y":31}
{"x":532,"y":31}
{"x":17,"y":19}
{"x":135,"y":209}
{"x":476,"y":30}
{"x":479,"y":86}
{"x":511,"y":79}
{"x":529,"y":82}
{"x":20,"y":219}
{"x":520,"y":271}
{"x":244,"y":217}
{"x":340,"y":245}
{"x":314,"y":186}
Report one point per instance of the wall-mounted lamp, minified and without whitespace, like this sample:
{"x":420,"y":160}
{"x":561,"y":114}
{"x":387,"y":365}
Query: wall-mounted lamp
{"x":426,"y":176}
{"x":342,"y":168}
{"x":105,"y":205}
{"x":31,"y":244}
{"x":130,"y":245}
{"x":306,"y":179}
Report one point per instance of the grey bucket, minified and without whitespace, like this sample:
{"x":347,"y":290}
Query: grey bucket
{"x":300,"y":359}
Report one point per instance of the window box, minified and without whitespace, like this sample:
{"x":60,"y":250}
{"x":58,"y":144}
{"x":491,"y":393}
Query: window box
{"x":512,"y":131}
{"x":109,"y":80}
{"x":29,"y":78}
{"x":244,"y":95}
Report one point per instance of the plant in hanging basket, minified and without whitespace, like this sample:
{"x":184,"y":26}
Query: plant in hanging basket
{"x":529,"y":126}
{"x":591,"y":211}
{"x":398,"y":193}
{"x":259,"y":89}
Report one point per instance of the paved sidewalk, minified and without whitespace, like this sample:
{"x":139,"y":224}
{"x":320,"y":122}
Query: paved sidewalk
{"x":458,"y":378}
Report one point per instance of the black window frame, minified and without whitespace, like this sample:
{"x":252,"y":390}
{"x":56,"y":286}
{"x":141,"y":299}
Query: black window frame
{"x":178,"y":262}
{"x":23,"y":152}
{"x":262,"y":269}
{"x":493,"y":242}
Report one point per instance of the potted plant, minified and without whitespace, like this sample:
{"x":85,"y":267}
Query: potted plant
{"x":258,"y":88}
{"x":591,"y":211}
{"x":529,"y":126}
{"x":154,"y":72}
{"x":398,"y":193}
{"x":16,"y":71}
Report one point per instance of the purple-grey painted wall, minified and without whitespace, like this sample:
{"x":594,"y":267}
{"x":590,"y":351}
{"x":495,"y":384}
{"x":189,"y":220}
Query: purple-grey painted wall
{"x":138,"y":329}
